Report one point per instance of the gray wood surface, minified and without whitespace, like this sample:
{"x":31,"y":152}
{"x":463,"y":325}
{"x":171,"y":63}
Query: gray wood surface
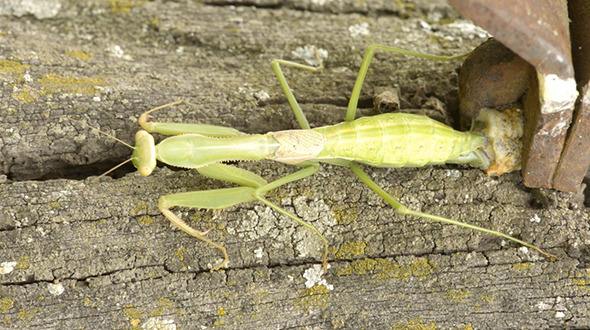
{"x":96,"y":253}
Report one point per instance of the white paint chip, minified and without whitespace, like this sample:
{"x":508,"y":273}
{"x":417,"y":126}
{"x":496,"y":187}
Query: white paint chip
{"x":258,"y":252}
{"x":559,"y":315}
{"x":536,"y":219}
{"x":556,"y":94}
{"x":55,"y":289}
{"x":7,"y":267}
{"x":307,"y":53}
{"x":158,"y":323}
{"x":314,"y":277}
{"x":361,"y":29}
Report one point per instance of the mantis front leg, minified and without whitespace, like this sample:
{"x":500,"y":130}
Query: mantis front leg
{"x":253,"y":187}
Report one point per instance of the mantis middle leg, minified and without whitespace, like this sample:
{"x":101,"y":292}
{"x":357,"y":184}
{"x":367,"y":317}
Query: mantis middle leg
{"x":350,"y":116}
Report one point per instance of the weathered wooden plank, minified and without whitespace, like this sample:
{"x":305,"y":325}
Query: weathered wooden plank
{"x":121,"y":264}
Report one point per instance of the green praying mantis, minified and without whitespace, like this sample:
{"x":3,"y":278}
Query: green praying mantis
{"x":386,"y":140}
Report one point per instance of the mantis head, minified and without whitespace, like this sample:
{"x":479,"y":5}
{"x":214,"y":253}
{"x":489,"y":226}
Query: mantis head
{"x":144,"y":153}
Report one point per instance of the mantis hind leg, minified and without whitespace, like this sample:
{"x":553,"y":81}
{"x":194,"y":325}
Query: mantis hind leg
{"x":253,"y":187}
{"x":404,"y":210}
{"x":356,"y":91}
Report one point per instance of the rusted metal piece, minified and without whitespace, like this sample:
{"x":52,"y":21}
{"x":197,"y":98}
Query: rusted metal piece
{"x":575,"y":158}
{"x":492,"y":76}
{"x":537,"y":30}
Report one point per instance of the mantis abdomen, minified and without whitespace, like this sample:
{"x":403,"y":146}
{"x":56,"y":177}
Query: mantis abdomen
{"x":396,"y":140}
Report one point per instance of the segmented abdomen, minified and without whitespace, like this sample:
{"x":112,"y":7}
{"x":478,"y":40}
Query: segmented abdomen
{"x":396,"y":139}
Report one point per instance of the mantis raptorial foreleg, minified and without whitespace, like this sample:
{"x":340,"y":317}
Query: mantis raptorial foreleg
{"x":253,"y":187}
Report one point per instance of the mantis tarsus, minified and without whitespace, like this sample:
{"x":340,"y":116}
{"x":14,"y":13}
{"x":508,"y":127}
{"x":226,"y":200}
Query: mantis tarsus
{"x":386,"y":140}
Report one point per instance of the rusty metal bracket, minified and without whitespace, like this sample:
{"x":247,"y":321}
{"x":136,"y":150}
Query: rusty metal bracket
{"x":539,"y":32}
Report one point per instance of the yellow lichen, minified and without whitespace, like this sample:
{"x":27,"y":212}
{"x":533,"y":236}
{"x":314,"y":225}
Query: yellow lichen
{"x":24,"y":96}
{"x":133,"y":313}
{"x":145,"y":220}
{"x":457,"y":295}
{"x":385,"y":270}
{"x":344,"y":213}
{"x":163,"y":305}
{"x":415,"y":324}
{"x":582,"y":280}
{"x":6,"y":304}
{"x":12,"y":67}
{"x":522,"y":266}
{"x":27,"y":314}
{"x":124,"y":6}
{"x":221,"y":311}
{"x":51,"y":83}
{"x":350,"y":250}
{"x":79,"y":54}
{"x":317,"y":296}
{"x":23,"y":262}
{"x":179,"y":254}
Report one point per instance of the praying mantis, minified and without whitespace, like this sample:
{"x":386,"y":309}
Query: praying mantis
{"x":385,"y":140}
